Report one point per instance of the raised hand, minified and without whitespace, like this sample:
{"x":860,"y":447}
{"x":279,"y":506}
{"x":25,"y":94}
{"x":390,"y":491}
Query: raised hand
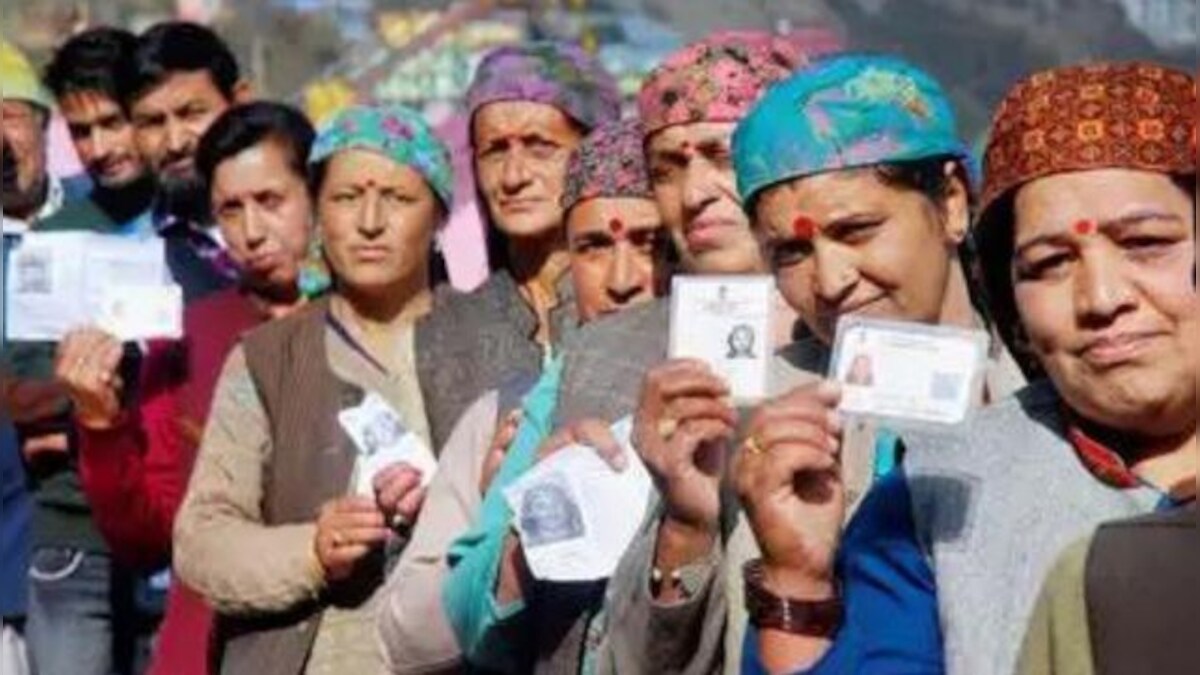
{"x":788,"y":478}
{"x":682,"y":425}
{"x":86,"y":364}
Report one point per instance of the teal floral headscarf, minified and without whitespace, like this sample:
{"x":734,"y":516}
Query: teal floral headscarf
{"x":844,"y":112}
{"x":398,"y":133}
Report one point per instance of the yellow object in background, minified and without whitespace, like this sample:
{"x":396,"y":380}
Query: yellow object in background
{"x":325,"y":98}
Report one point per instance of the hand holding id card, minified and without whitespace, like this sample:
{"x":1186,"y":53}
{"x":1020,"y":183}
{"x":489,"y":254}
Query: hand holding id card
{"x":575,"y":515}
{"x":725,"y":321}
{"x":908,"y":372}
{"x":382,"y":440}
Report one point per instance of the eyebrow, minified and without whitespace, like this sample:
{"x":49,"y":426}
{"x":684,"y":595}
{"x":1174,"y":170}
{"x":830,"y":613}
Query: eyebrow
{"x":1110,"y":225}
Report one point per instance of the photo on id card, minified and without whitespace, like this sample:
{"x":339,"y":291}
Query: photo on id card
{"x":910,"y":373}
{"x":551,"y":512}
{"x":725,"y":321}
{"x":382,"y":440}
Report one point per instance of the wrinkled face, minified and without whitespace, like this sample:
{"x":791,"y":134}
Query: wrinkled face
{"x":618,"y":254}
{"x":377,"y":221}
{"x":23,"y":183}
{"x":692,"y":172}
{"x":1102,"y":273}
{"x":103,"y":138}
{"x":263,"y":209}
{"x":168,"y":122}
{"x":847,"y":243}
{"x":521,"y":153}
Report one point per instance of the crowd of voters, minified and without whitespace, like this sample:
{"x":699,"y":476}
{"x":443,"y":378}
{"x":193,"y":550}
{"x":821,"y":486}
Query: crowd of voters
{"x":189,"y":506}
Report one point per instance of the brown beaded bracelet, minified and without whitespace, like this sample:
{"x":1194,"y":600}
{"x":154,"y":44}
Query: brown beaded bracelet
{"x":816,"y":618}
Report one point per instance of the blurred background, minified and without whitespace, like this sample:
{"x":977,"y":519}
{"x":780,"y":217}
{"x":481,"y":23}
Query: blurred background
{"x":325,"y":54}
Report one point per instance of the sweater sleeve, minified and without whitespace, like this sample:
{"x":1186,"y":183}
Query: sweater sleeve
{"x":1057,"y":640}
{"x":135,"y":473}
{"x":416,"y":634}
{"x":891,"y":618}
{"x":492,"y":634}
{"x":484,"y":627}
{"x":222,"y":548}
{"x":134,"y":478}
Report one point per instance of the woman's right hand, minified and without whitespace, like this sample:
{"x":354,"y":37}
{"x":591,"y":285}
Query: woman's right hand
{"x":788,"y":478}
{"x":347,"y":529}
{"x":86,"y":364}
{"x":680,"y":428}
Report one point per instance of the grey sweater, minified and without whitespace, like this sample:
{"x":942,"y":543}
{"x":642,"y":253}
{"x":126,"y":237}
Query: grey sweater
{"x":993,"y":509}
{"x":993,"y":505}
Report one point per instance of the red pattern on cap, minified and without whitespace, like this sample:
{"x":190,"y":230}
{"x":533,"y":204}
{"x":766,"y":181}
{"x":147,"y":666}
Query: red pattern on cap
{"x":1078,"y":118}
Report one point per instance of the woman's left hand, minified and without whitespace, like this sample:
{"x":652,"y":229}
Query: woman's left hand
{"x":399,"y":494}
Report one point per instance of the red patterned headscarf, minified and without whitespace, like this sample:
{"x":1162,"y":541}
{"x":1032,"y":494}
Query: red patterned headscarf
{"x":609,"y":162}
{"x":717,"y":79}
{"x":1096,"y":116}
{"x":1078,"y":118}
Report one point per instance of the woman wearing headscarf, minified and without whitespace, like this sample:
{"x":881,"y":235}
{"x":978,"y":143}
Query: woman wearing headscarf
{"x":617,"y":248}
{"x":135,"y":459}
{"x":689,"y":105}
{"x":529,"y":106}
{"x":859,"y":189}
{"x":282,"y":529}
{"x":1087,"y":238}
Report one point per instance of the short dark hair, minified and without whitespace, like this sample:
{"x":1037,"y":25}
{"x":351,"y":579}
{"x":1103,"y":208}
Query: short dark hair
{"x":91,"y":61}
{"x":178,"y":46}
{"x":926,"y":175}
{"x":242,"y":127}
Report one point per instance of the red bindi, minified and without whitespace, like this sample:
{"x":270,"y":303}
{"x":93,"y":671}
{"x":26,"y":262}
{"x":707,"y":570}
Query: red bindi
{"x":1085,"y":227}
{"x":616,"y":226}
{"x":804,"y":227}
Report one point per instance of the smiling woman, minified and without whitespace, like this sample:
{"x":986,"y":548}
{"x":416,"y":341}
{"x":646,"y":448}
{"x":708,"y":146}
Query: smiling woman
{"x":1108,"y":313}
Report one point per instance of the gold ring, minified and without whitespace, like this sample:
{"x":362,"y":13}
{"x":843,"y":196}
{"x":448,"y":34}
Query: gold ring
{"x":338,"y":539}
{"x":752,"y":446}
{"x":667,"y":427}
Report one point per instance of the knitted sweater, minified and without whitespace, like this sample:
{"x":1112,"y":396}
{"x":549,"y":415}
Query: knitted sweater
{"x":987,"y":510}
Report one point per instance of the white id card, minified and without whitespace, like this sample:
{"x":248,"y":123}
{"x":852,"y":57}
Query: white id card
{"x":908,"y":371}
{"x":575,"y":515}
{"x":726,"y":322}
{"x":141,"y":312}
{"x":382,"y":440}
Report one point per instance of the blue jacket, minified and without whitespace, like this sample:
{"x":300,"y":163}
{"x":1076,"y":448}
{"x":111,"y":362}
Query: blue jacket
{"x":15,"y":512}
